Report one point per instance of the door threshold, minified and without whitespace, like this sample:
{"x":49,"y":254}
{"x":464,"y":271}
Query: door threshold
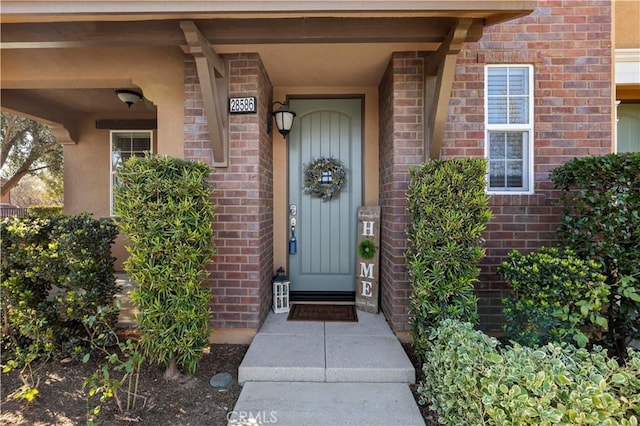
{"x":328,"y":297}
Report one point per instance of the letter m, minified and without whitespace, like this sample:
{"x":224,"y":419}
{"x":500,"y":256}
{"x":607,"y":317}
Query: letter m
{"x":366,"y":270}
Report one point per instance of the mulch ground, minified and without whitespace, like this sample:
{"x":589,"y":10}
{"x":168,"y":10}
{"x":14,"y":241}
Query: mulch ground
{"x":62,"y":401}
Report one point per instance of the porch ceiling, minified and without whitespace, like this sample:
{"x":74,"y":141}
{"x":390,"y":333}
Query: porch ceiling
{"x":348,"y":46}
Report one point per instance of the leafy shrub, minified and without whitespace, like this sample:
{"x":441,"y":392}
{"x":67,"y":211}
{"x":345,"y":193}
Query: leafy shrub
{"x":44,"y":211}
{"x":470,"y":379}
{"x":120,"y":367}
{"x":449,"y":210}
{"x":165,"y":210}
{"x":601,"y":199}
{"x":557,"y":297}
{"x":55,"y":272}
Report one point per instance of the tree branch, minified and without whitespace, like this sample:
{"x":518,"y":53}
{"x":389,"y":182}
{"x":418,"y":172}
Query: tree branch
{"x":8,"y":146}
{"x":37,"y":168}
{"x":22,"y":170}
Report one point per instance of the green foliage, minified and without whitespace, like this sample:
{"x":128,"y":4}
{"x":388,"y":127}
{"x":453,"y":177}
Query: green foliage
{"x":121,"y":367}
{"x":367,"y":249}
{"x":27,"y":147}
{"x":56,"y":271}
{"x":601,"y":199}
{"x":558,"y":297}
{"x":44,"y":211}
{"x":449,"y":210}
{"x":29,"y":365}
{"x":471,"y":380}
{"x":164,"y":208}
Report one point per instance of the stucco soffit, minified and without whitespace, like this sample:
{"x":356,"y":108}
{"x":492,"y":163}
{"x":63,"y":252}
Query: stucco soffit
{"x":22,"y":10}
{"x":60,"y":118}
{"x":230,"y":32}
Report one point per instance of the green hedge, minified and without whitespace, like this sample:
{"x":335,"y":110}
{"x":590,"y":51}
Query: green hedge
{"x":601,"y":200}
{"x":56,"y":271}
{"x":44,"y":211}
{"x":471,"y":380}
{"x":164,"y":208}
{"x":449,"y":210}
{"x":557,"y":297}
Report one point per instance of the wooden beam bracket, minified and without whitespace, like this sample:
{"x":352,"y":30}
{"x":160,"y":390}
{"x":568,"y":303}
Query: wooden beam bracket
{"x":213,"y":76}
{"x":439,"y":73}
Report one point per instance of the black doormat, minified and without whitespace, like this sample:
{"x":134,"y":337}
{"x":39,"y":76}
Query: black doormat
{"x":341,"y":313}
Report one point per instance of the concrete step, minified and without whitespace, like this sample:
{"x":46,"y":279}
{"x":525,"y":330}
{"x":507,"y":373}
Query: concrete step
{"x":326,"y":404}
{"x":289,"y":351}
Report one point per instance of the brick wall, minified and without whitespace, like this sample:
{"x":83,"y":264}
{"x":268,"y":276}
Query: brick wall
{"x":401,"y":95}
{"x":242,"y":269}
{"x":569,"y":45}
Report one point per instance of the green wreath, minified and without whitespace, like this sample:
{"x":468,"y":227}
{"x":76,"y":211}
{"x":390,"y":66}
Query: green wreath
{"x":324,"y":178}
{"x":367,"y":249}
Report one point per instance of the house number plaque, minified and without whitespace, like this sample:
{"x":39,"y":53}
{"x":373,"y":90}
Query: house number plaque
{"x":245,"y":105}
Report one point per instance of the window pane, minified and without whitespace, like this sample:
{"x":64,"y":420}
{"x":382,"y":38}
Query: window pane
{"x":508,"y":95}
{"x":496,"y":174}
{"x":497,"y":112}
{"x":116,"y":159}
{"x":514,"y":174}
{"x":132,"y":142}
{"x":518,"y":81}
{"x":515,"y":146}
{"x":518,"y":111}
{"x":122,"y":144}
{"x":497,"y":84}
{"x":508,"y":160}
{"x":140,"y":144}
{"x":496,"y":146}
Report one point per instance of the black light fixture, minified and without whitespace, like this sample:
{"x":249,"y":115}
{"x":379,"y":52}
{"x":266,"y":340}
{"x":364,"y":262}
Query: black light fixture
{"x":284,"y":119}
{"x":129,"y":97}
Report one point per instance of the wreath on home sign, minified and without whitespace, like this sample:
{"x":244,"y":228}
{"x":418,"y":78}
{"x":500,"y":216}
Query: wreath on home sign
{"x":324,"y":178}
{"x":366,"y":249}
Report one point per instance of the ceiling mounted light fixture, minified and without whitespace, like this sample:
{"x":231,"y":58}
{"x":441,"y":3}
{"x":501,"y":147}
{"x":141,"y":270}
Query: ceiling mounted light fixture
{"x":129,"y":97}
{"x":284,"y":119}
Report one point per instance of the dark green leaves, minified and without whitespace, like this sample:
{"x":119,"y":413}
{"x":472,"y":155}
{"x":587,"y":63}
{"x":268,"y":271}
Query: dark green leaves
{"x":556,"y":297}
{"x":601,"y":201}
{"x":164,"y":208}
{"x":449,"y":210}
{"x":55,"y":272}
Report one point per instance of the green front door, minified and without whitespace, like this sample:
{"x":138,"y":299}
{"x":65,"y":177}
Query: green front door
{"x":323,"y":265}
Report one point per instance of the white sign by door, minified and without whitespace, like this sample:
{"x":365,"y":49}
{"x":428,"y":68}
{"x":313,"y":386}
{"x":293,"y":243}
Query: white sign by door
{"x":367,"y":259}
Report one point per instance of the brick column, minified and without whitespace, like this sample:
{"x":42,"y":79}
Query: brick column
{"x":401,"y":101}
{"x":242,"y":269}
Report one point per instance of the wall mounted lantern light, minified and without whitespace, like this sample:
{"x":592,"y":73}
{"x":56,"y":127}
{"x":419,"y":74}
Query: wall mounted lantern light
{"x":284,"y":119}
{"x":129,"y":97}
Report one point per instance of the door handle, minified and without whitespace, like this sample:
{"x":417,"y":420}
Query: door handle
{"x":293,"y":243}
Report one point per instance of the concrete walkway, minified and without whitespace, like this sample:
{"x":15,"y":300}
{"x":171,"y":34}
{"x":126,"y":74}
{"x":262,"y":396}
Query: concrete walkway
{"x":326,"y":373}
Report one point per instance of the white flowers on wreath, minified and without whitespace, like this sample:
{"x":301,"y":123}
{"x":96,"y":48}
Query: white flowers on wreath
{"x":324,"y":178}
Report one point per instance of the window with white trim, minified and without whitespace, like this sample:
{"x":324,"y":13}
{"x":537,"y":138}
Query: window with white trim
{"x":509,"y":128}
{"x":124,"y":145}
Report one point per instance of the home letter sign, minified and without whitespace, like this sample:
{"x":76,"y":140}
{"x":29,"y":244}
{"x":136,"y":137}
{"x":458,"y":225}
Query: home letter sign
{"x":367,"y":256}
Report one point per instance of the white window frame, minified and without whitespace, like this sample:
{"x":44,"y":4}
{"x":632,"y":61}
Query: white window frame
{"x":527,"y":128}
{"x":112,"y":169}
